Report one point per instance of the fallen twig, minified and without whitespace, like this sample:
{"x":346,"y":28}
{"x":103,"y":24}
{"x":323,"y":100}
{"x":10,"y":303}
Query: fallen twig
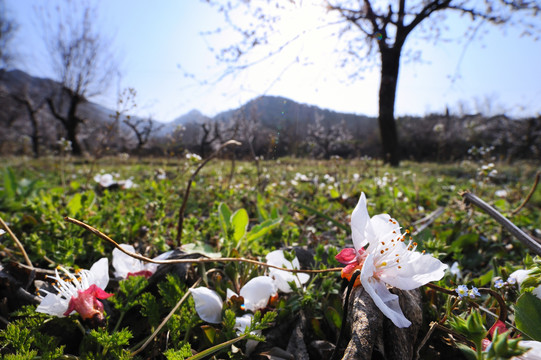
{"x":427,"y":220}
{"x":17,"y":242}
{"x":199,"y":260}
{"x":527,"y":240}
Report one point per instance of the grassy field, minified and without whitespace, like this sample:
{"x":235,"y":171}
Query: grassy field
{"x":298,"y":204}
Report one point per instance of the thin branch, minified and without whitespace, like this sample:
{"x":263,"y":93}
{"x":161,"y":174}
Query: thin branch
{"x":428,"y":220}
{"x":184,"y":261}
{"x":527,"y":240}
{"x":532,"y":190}
{"x":19,"y":245}
{"x":189,"y":185}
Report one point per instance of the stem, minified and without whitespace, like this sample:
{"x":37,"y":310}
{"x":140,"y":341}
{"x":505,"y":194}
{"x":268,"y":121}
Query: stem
{"x":17,"y":242}
{"x":120,"y":318}
{"x":529,"y":196}
{"x":80,"y":326}
{"x":216,"y":348}
{"x":158,"y":329}
{"x":189,"y":185}
{"x":512,"y":228}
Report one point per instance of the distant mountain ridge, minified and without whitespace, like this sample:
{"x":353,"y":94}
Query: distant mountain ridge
{"x":273,"y":112}
{"x":267,"y":126}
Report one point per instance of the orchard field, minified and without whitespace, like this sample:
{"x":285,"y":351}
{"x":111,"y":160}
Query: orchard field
{"x":234,"y":215}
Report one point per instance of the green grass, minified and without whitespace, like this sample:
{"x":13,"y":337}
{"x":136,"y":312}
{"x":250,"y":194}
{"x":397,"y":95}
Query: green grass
{"x":313,"y":207}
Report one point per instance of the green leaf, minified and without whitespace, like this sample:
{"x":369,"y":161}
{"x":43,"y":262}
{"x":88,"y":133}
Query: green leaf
{"x":263,"y":214}
{"x":224,"y":214}
{"x":75,"y":204}
{"x":528,"y":315}
{"x":10,"y":184}
{"x":201,"y":248}
{"x":485,"y":279}
{"x":184,"y":352}
{"x":333,"y":317}
{"x":262,"y":229}
{"x":210,"y":333}
{"x":239,"y":221}
{"x":316,"y":326}
{"x":468,"y":352}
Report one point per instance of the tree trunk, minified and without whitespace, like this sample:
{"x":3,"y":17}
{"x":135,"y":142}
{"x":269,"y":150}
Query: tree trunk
{"x":390,"y":62}
{"x":35,"y":129}
{"x":72,"y":122}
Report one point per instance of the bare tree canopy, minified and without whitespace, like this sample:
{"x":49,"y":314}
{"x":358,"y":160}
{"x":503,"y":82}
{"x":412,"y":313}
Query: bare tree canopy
{"x":82,"y":59}
{"x":8,"y":27}
{"x":367,"y":31}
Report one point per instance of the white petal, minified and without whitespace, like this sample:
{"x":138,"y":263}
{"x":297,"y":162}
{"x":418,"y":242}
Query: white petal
{"x":53,"y":304}
{"x":124,"y":264}
{"x":230,"y":293}
{"x":281,"y":277}
{"x":455,"y":270}
{"x":537,"y":291}
{"x":359,"y":223}
{"x":208,"y":304}
{"x":533,"y":354}
{"x":418,"y":270}
{"x":385,"y":228}
{"x":256,"y":292}
{"x":100,"y":273}
{"x":388,"y":303}
{"x":153,"y":267}
{"x":241,"y":323}
{"x":277,"y":258}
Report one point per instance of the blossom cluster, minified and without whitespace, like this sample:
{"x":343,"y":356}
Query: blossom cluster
{"x":108,"y":181}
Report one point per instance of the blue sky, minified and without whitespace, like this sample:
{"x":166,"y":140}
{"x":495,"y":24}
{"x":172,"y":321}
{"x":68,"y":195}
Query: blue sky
{"x":156,"y":40}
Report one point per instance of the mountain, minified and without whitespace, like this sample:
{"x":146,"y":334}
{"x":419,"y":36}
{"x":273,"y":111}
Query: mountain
{"x":194,"y":116}
{"x":277,"y":113}
{"x":277,"y":119}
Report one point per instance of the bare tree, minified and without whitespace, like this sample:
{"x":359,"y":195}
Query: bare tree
{"x":211,"y":134}
{"x":142,"y":128}
{"x":368,"y":30}
{"x":82,"y":60}
{"x":8,"y":27}
{"x":32,"y":109}
{"x":327,"y":137}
